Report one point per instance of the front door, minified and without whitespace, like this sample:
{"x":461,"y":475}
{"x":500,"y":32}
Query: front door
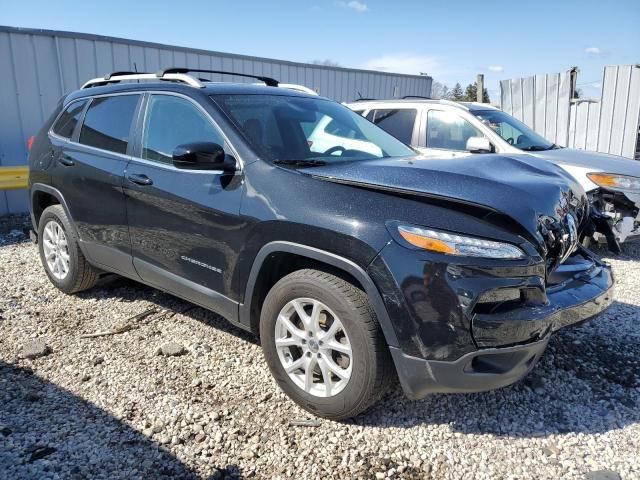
{"x":446,"y":134}
{"x":184,"y":224}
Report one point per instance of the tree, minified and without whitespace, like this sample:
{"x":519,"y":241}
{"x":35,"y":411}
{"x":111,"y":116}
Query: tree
{"x":326,"y":63}
{"x":471,"y":94}
{"x":440,"y":90}
{"x":456,"y":93}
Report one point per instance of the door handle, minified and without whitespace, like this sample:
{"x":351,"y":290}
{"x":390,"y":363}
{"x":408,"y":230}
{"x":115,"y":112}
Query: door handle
{"x":66,"y":160}
{"x":139,"y":179}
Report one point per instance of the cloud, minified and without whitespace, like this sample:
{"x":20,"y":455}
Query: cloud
{"x":594,"y":51}
{"x":354,"y":5}
{"x":495,"y":68}
{"x":404,"y":63}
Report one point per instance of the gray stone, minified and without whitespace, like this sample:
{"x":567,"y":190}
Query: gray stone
{"x":35,"y":349}
{"x":603,"y":475}
{"x":172,"y":349}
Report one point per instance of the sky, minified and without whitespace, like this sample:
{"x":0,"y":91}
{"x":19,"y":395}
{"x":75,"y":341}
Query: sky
{"x":450,"y":41}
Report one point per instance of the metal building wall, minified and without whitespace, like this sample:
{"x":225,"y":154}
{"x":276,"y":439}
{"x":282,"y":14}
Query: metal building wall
{"x":39,"y":66}
{"x":610,"y":124}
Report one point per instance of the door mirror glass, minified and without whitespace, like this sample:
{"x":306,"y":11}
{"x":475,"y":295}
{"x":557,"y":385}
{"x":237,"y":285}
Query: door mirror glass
{"x":202,"y":156}
{"x":479,"y":145}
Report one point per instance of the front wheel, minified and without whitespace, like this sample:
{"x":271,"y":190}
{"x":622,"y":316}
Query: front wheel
{"x":323,"y":344}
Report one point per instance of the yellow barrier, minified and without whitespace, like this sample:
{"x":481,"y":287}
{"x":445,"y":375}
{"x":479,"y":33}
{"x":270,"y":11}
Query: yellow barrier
{"x":12,"y":178}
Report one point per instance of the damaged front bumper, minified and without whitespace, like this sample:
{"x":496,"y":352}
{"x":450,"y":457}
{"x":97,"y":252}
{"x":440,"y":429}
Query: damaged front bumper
{"x":478,"y":346}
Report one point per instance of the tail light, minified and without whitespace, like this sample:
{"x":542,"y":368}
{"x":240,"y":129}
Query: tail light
{"x":30,"y":142}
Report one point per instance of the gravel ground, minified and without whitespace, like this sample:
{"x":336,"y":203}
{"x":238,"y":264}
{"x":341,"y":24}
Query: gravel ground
{"x":181,"y":394}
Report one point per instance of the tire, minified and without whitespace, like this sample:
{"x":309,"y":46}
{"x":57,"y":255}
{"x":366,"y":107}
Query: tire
{"x":370,"y":364}
{"x":80,"y":275}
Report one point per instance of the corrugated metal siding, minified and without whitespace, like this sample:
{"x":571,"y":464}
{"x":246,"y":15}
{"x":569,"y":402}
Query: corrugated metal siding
{"x":540,"y":101}
{"x":609,"y":125}
{"x":39,"y":66}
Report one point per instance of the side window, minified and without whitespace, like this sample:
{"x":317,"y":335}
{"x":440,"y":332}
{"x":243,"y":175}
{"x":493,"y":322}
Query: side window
{"x":66,"y":123}
{"x":108,"y":122}
{"x":173,"y":121}
{"x":397,"y":122}
{"x":340,"y":129}
{"x":448,"y":131}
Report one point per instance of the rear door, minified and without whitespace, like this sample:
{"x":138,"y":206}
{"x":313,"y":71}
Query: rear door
{"x":89,"y":172}
{"x":185,"y":226}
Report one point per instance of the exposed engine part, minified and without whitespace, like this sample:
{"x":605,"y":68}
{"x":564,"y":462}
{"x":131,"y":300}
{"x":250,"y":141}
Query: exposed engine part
{"x":614,"y":219}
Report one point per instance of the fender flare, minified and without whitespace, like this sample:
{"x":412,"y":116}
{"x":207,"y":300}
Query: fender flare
{"x":328,"y":258}
{"x":41,"y":187}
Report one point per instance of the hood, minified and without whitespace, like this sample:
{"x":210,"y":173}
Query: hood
{"x":532,"y":192}
{"x":599,"y":162}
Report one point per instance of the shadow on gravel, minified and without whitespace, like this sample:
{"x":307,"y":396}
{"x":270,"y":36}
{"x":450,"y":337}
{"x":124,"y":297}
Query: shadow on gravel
{"x":46,"y":431}
{"x":588,"y":381}
{"x":113,"y":286}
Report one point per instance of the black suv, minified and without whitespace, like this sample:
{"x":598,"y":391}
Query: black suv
{"x":355,"y":266}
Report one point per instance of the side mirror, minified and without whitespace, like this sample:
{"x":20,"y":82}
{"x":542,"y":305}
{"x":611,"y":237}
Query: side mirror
{"x":202,"y":156}
{"x":479,"y":145}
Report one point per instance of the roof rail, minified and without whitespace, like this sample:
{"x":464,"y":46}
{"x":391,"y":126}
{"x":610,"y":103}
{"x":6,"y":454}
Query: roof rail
{"x":271,"y":82}
{"x":115,"y":74}
{"x":453,"y":103}
{"x":171,"y":75}
{"x":417,"y":96}
{"x":122,"y":76}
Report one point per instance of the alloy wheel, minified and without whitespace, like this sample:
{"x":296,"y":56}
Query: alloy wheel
{"x":313,"y":347}
{"x":56,"y":250}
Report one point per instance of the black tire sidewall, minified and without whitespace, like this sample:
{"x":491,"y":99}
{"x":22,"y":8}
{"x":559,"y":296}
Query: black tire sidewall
{"x":57,"y":214}
{"x":363,"y":358}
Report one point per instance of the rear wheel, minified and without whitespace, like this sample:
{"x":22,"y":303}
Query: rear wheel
{"x":323,"y":344}
{"x":66,"y":266}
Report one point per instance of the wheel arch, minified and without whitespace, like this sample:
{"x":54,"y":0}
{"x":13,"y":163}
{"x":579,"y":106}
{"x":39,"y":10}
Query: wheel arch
{"x":43,"y":196}
{"x":255,"y":287}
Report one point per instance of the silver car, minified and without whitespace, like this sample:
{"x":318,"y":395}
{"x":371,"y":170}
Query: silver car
{"x":442,"y":128}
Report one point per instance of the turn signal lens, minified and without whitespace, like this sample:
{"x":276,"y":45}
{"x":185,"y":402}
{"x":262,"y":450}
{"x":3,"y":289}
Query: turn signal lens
{"x":615,"y":182}
{"x":30,"y":142}
{"x":453,"y":244}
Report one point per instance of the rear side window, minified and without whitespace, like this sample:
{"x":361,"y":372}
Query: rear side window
{"x":397,"y":122}
{"x":108,"y":122}
{"x":66,"y":123}
{"x":173,"y":121}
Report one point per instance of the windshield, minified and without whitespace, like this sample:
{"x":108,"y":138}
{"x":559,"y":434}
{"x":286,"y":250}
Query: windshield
{"x":307,"y":131}
{"x":513,"y":131}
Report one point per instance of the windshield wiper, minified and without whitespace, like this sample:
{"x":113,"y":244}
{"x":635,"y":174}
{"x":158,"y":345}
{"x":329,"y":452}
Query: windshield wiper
{"x":301,"y":163}
{"x":538,"y":148}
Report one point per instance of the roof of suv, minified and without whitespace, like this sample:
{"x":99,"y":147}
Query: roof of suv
{"x":180,"y":79}
{"x":209,"y":88}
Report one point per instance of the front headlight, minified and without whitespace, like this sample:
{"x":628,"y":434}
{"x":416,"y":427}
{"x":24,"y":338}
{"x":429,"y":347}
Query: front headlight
{"x":453,"y":244}
{"x":615,"y":182}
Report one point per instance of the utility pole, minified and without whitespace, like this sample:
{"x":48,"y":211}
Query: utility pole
{"x":480,"y":88}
